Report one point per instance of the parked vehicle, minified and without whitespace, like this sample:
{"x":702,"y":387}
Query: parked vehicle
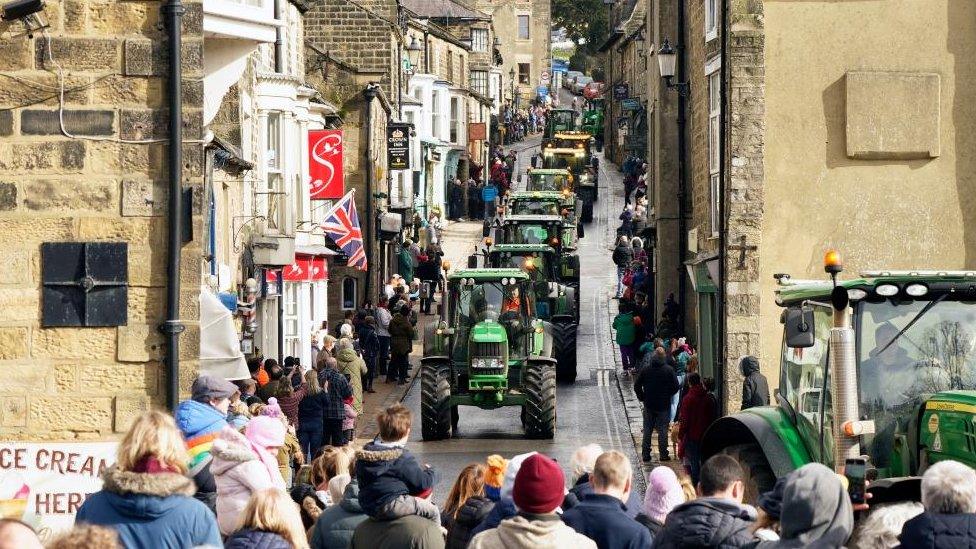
{"x":581,"y":83}
{"x":570,"y":79}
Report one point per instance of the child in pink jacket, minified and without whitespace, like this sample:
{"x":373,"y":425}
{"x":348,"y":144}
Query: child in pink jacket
{"x":349,"y":422}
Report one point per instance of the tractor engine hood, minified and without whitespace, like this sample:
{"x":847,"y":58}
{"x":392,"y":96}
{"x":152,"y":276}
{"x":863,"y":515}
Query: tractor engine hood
{"x":488,"y":331}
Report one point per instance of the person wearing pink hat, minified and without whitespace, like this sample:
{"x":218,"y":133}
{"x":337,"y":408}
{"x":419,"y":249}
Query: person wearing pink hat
{"x":663,"y":494}
{"x":244,"y":464}
{"x":538,"y":491}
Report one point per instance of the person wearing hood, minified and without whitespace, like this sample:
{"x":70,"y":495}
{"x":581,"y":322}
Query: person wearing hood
{"x":244,"y":464}
{"x":146,"y":496}
{"x":816,"y":511}
{"x":336,"y":525}
{"x":353,"y":367}
{"x":716,"y":519}
{"x":601,"y":515}
{"x":755,"y":388}
{"x":200,"y":420}
{"x":663,"y":494}
{"x":537,"y":492}
{"x":949,"y":498}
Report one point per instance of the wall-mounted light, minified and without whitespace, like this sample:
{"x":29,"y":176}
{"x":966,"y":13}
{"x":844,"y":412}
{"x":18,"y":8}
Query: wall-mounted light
{"x":666,"y":60}
{"x":413,"y":52}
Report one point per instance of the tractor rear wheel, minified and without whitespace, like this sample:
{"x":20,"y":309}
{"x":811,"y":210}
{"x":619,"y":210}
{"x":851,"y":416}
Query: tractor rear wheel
{"x":539,"y":388}
{"x":435,"y":393}
{"x":758,"y":475}
{"x":564,"y":350}
{"x":575,"y":285}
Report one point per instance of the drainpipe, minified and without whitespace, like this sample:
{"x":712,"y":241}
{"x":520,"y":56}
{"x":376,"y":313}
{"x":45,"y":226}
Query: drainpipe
{"x":172,"y":13}
{"x":370,"y":93}
{"x":681,"y":76}
{"x":722,"y":351}
{"x":279,"y":49}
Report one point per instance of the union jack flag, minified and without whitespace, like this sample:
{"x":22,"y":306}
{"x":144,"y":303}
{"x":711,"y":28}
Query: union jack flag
{"x":342,"y":226}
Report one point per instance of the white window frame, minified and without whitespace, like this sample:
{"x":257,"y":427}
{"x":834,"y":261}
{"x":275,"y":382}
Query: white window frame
{"x":275,"y":186}
{"x":714,"y":146}
{"x":455,"y":129}
{"x":478,"y":82}
{"x":436,"y":115}
{"x":518,"y":26}
{"x":711,"y":20}
{"x":342,"y":293}
{"x":479,"y":40}
{"x":292,"y":318}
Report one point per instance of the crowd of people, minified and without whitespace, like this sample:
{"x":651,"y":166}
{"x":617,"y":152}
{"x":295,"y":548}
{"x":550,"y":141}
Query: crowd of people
{"x":382,"y":497}
{"x":476,"y":200}
{"x":519,"y":123}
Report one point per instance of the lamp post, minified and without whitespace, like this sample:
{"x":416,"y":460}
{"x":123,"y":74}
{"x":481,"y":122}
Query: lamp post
{"x":511,"y":76}
{"x":413,"y":53}
{"x":667,"y":58}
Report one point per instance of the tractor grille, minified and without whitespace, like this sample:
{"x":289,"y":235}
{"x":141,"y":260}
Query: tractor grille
{"x":486,"y":350}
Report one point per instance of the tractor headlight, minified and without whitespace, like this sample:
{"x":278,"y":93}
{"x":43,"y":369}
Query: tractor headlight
{"x":486,"y":363}
{"x":886,"y":290}
{"x":916,"y":290}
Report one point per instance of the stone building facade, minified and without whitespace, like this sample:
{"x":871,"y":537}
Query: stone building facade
{"x":523,"y":28}
{"x":102,"y":178}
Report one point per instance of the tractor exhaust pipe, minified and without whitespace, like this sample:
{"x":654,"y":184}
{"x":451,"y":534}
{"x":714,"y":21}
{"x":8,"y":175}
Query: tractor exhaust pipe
{"x":843,"y":371}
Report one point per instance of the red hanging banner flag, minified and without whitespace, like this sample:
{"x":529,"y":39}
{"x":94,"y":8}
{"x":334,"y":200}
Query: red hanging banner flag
{"x":299,"y":271}
{"x":319,"y":269}
{"x":325,"y":164}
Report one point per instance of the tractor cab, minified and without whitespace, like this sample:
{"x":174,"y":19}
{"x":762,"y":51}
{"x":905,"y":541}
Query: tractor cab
{"x":543,"y":179}
{"x":537,"y":229}
{"x":583,"y":168}
{"x":535,"y":203}
{"x":559,"y":120}
{"x":539,"y":262}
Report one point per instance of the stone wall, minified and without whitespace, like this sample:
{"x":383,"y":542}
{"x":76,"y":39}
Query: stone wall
{"x":87,"y":383}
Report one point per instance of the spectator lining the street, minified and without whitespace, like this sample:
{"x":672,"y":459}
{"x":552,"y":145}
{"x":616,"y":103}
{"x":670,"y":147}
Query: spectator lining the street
{"x":654,"y":385}
{"x":82,"y":536}
{"x":401,"y":344}
{"x":275,"y":373}
{"x":349,"y":420}
{"x":353,"y":367}
{"x":581,"y":469}
{"x":336,"y":525}
{"x":949,"y":498}
{"x":338,"y":389}
{"x":369,"y":343}
{"x":881,"y":528}
{"x":816,"y":512}
{"x":411,"y":531}
{"x":601,"y":514}
{"x":200,"y":420}
{"x":470,"y":484}
{"x":664,"y":493}
{"x":698,"y":412}
{"x":769,"y":509}
{"x":270,"y":521}
{"x":755,"y":388}
{"x":311,"y":415}
{"x":244,"y":464}
{"x":332,"y":462}
{"x":390,"y":479}
{"x":623,"y":254}
{"x":505,"y":507}
{"x":146,"y":496}
{"x":717,"y":518}
{"x":625,"y":328}
{"x":537,"y":492}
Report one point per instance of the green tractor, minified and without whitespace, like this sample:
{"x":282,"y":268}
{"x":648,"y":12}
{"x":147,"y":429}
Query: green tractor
{"x":562,"y":203}
{"x":582,"y":166}
{"x":559,"y":120}
{"x":489,"y":350}
{"x":883,"y":365}
{"x":556,"y":300}
{"x":593,"y":121}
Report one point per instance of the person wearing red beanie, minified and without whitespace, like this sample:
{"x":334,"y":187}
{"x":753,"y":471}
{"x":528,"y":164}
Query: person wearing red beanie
{"x":538,"y":491}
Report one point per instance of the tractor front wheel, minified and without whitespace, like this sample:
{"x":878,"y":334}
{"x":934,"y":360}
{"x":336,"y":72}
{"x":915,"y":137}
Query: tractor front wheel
{"x":564,"y":349}
{"x":539,"y":387}
{"x":435,"y":394}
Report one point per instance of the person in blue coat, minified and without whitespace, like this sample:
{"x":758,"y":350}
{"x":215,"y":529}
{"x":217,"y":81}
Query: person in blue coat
{"x":601,"y":516}
{"x":146,"y":496}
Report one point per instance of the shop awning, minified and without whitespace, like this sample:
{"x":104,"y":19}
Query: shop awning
{"x":220,"y":347}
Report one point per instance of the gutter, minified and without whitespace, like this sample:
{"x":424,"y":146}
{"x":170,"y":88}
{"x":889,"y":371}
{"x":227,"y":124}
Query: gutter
{"x":172,"y":327}
{"x":371,"y":92}
{"x":722,"y":351}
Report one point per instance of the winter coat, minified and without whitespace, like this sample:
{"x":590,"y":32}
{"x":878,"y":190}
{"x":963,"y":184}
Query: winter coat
{"x":353,"y":367}
{"x":401,"y":335}
{"x":200,"y":424}
{"x":816,"y":512}
{"x":470,"y":515}
{"x":698,"y":411}
{"x":150,"y":510}
{"x":622,"y":255}
{"x":938,"y":531}
{"x":582,"y":488}
{"x":311,"y":412}
{"x":369,"y":342}
{"x":409,"y":532}
{"x":339,"y":390}
{"x":707,"y":522}
{"x":289,"y":404}
{"x":405,"y":264}
{"x":239,"y":472}
{"x":503,"y":509}
{"x":655,"y":384}
{"x":623,"y":323}
{"x":335,"y":526}
{"x":603,"y":519}
{"x":755,"y":389}
{"x":427,"y":270}
{"x":256,"y":539}
{"x":385,"y":472}
{"x":527,"y":531}
{"x":269,"y":389}
{"x":653,"y":526}
{"x":383,"y":318}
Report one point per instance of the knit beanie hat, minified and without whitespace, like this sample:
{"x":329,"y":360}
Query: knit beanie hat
{"x":494,"y":476}
{"x":272,"y":409}
{"x":539,"y":485}
{"x":663,"y":493}
{"x":508,"y":483}
{"x":265,"y":432}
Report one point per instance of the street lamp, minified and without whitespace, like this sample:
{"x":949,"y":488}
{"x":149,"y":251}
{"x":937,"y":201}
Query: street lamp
{"x":667,"y":57}
{"x":413,"y":52}
{"x":511,"y":76}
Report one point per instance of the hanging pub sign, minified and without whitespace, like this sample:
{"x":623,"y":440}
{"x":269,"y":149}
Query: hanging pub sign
{"x":621,"y":91}
{"x":398,"y":146}
{"x":325,"y":164}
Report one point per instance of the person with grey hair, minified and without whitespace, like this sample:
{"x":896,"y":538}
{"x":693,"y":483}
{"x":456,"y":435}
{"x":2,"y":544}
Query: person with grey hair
{"x":583,"y":460}
{"x":949,"y":498}
{"x":881,"y":528}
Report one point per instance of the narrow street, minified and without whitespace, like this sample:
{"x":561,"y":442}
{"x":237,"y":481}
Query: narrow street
{"x":590,"y":411}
